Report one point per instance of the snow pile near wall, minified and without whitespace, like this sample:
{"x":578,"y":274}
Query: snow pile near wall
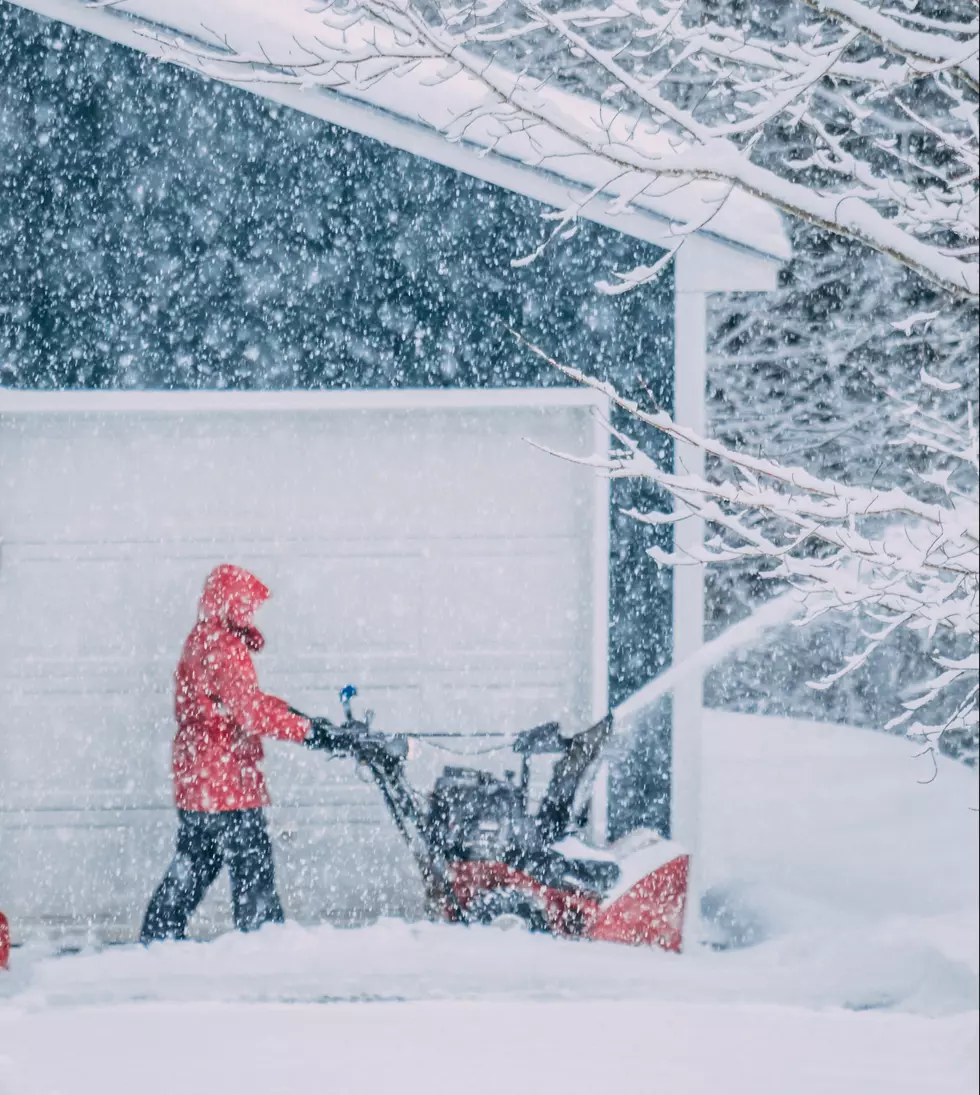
{"x":818,"y":831}
{"x":834,"y":880}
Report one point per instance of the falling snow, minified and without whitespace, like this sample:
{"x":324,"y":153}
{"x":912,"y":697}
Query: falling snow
{"x":386,"y":304}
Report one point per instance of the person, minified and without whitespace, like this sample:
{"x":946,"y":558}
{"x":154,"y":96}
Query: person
{"x":219,"y":788}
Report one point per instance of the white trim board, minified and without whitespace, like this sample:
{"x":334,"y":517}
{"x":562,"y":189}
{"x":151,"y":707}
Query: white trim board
{"x":18,"y":401}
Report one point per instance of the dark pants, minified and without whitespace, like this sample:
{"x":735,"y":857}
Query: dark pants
{"x":205,"y":842}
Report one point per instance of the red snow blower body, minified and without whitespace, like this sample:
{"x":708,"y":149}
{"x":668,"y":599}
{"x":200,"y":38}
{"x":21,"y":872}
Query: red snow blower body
{"x":486,"y":856}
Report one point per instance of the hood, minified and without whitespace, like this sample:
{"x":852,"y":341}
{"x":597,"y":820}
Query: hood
{"x":231,"y":596}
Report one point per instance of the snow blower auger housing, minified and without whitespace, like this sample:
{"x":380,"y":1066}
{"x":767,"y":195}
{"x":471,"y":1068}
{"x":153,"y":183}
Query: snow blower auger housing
{"x":486,"y":857}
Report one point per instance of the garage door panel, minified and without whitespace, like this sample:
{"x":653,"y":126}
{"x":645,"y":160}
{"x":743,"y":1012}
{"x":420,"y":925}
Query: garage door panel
{"x":115,"y":867}
{"x":501,"y":706}
{"x":508,"y":602}
{"x":112,"y":748}
{"x":348,"y":605}
{"x":97,"y":602}
{"x":84,"y":607}
{"x":475,"y":475}
{"x":101,"y":750}
{"x":494,"y":483}
{"x":325,"y":872}
{"x":78,"y":605}
{"x":73,"y":749}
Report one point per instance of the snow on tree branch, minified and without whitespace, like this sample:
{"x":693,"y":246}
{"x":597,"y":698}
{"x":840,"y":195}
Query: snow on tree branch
{"x":912,"y":36}
{"x":900,"y":561}
{"x":875,"y":110}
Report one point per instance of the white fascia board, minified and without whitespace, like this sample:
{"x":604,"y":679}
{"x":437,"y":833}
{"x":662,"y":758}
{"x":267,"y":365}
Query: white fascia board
{"x":406,"y":112}
{"x":17,"y":401}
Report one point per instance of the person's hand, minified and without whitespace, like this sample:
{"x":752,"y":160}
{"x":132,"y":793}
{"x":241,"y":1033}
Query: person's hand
{"x":322,"y":734}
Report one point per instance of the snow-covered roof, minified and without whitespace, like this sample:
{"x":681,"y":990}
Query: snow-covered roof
{"x":415,"y":109}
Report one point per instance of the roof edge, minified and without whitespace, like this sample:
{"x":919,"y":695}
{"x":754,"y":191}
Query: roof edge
{"x":412,"y":135}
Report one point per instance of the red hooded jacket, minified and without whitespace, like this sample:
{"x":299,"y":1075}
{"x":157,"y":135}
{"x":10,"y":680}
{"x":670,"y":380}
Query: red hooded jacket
{"x":221,"y":713}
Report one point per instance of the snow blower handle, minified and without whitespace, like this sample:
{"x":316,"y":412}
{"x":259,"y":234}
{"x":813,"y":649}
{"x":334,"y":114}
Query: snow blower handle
{"x":347,"y":693}
{"x":331,"y":739}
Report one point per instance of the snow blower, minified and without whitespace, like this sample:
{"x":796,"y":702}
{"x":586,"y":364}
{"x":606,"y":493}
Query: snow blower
{"x":487,"y":857}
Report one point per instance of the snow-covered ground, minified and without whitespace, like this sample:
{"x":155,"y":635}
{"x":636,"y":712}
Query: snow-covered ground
{"x":842,"y":904}
{"x":482,"y":1048}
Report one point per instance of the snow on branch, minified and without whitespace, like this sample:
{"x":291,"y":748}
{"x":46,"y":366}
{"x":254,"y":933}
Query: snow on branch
{"x":901,"y":561}
{"x":858,"y":119}
{"x":927,"y":41}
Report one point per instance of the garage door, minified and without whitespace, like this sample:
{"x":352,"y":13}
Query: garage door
{"x":416,"y":545}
